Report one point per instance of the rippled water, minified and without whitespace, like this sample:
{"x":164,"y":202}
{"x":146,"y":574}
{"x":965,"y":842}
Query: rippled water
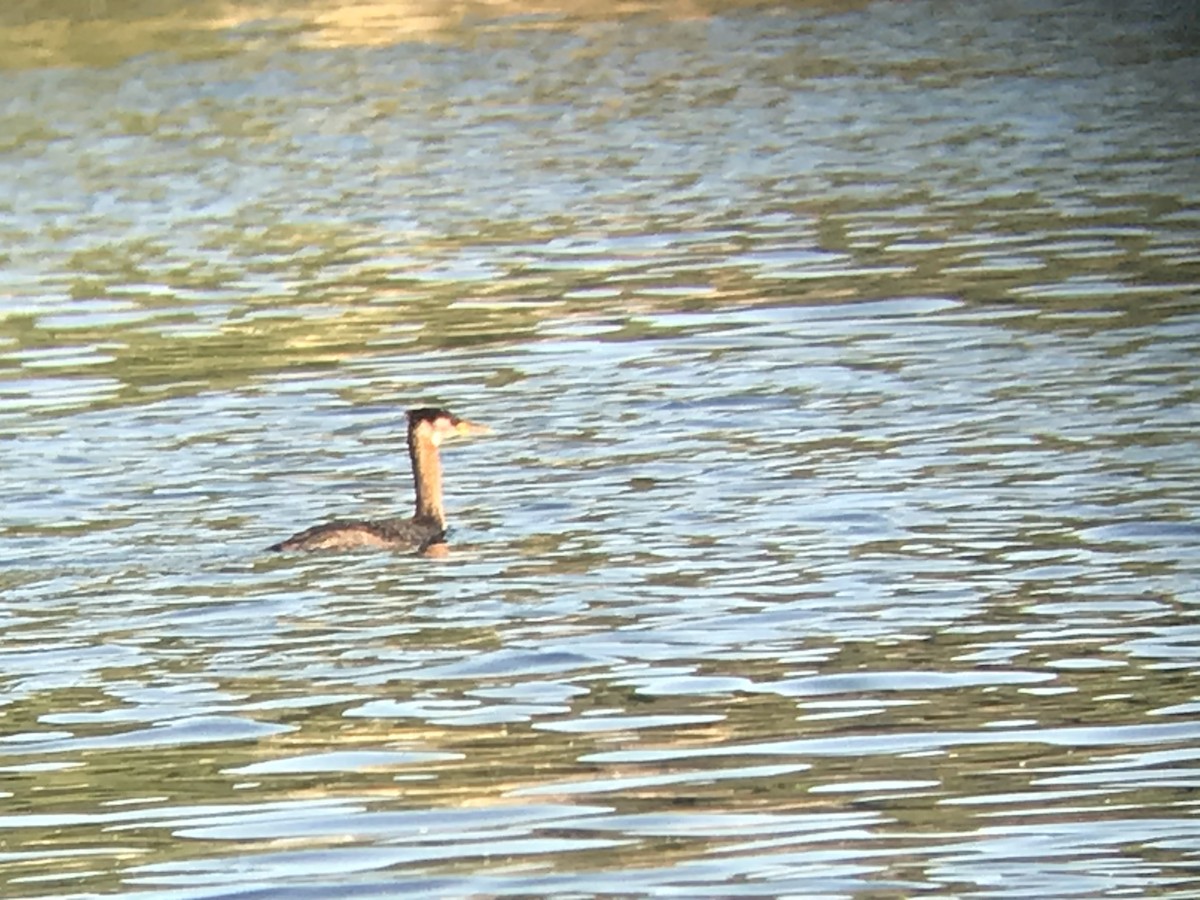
{"x":839,"y":535}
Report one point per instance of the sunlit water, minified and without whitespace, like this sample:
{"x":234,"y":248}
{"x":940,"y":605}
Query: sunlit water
{"x":839,"y":532}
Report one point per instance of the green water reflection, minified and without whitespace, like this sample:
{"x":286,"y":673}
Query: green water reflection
{"x":838,"y":534}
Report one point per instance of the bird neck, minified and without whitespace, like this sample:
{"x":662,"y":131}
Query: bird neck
{"x":427,"y":476}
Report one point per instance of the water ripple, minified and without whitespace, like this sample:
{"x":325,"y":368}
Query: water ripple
{"x":842,"y":364}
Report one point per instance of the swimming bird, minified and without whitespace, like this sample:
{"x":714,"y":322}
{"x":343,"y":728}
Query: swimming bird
{"x":425,"y":532}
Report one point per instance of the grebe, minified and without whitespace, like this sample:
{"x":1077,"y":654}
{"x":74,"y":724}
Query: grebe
{"x":426,"y":530}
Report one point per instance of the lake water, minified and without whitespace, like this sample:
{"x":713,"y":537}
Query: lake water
{"x":839,"y":535}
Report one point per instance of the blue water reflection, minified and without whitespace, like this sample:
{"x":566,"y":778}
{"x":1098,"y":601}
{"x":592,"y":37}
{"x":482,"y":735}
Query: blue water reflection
{"x":838,"y":534}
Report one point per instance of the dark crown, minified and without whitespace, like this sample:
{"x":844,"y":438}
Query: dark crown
{"x":429,"y":414}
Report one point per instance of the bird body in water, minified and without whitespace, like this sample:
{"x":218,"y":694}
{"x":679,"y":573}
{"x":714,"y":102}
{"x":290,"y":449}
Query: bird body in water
{"x":425,"y":532}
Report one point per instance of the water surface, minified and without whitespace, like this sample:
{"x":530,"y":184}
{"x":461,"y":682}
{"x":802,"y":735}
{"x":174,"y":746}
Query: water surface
{"x":839,"y":535}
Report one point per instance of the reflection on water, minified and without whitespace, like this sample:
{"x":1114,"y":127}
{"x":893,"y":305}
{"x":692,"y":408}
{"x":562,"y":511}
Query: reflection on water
{"x":840,"y":531}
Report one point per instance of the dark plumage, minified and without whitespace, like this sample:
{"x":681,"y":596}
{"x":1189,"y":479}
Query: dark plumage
{"x":426,"y":530}
{"x":382,"y":534}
